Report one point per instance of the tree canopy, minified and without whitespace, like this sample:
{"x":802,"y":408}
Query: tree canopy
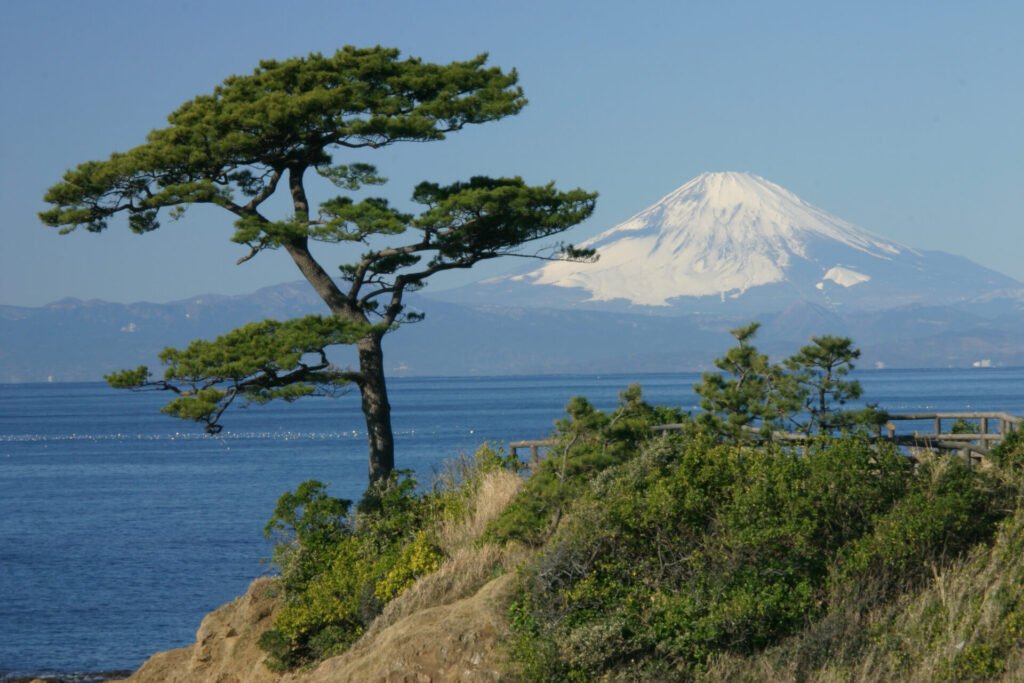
{"x":258,"y":362}
{"x":257,"y":135}
{"x":806,"y":392}
{"x":233,"y":146}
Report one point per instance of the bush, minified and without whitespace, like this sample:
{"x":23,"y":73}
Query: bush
{"x":948,"y":508}
{"x":338,"y":570}
{"x":1009,"y":454}
{"x":305,"y":526}
{"x":332,"y":609}
{"x":587,"y":442}
{"x":420,"y":556}
{"x":696,"y":548}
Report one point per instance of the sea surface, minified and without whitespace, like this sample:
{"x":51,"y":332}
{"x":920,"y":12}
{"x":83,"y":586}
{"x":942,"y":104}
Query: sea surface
{"x":121,"y":527}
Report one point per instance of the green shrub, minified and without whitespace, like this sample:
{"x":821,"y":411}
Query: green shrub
{"x":419,"y":557}
{"x":948,"y":508}
{"x":535,"y":658}
{"x":695,"y":548}
{"x":976,"y":662}
{"x":332,"y":610}
{"x":1009,"y":454}
{"x":338,"y":569}
{"x":962,"y":426}
{"x":305,"y":527}
{"x":587,"y":442}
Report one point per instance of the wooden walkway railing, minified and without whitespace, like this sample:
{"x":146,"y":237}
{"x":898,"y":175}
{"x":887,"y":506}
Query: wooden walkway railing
{"x":533,"y":444}
{"x":973,"y":446}
{"x":991,"y":429}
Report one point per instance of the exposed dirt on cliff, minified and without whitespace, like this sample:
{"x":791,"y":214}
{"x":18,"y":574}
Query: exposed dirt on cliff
{"x":451,"y":642}
{"x":226,"y":649}
{"x":454,"y":642}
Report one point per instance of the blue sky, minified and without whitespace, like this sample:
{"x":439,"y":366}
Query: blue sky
{"x":905,"y":118}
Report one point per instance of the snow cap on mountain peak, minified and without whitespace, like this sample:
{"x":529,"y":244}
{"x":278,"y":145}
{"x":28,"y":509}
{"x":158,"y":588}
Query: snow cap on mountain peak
{"x":720,"y":233}
{"x":733,"y":187}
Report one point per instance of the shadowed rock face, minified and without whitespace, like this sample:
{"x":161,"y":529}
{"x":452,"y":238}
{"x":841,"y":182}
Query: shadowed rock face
{"x":453,"y":642}
{"x":226,"y":649}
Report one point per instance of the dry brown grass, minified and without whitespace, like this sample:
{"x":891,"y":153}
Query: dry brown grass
{"x":470,"y":564}
{"x":964,"y":607}
{"x":494,"y":491}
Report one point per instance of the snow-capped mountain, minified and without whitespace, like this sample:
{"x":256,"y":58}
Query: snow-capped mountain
{"x":722,"y":250}
{"x":719,"y":234}
{"x":736,"y":237}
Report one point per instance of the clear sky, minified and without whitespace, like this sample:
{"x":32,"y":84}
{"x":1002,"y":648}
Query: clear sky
{"x":905,"y":118}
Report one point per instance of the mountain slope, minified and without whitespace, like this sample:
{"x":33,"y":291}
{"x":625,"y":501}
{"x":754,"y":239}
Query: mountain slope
{"x":738,"y":238}
{"x":75,"y":340}
{"x":720,"y":233}
{"x":722,"y":250}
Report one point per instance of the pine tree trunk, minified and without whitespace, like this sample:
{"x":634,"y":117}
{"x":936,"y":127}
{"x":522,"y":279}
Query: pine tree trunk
{"x":373,"y":386}
{"x":376,"y":409}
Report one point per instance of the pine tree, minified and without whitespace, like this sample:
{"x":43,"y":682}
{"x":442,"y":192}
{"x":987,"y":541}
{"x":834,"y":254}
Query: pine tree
{"x":257,"y":136}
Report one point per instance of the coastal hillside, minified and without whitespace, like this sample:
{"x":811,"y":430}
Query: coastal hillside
{"x":701,"y":556}
{"x":459,"y":641}
{"x":962,"y":621}
{"x":447,"y":625}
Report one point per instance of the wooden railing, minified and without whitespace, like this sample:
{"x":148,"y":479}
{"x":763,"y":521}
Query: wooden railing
{"x":533,"y":444}
{"x":1006,"y":422}
{"x":973,"y":446}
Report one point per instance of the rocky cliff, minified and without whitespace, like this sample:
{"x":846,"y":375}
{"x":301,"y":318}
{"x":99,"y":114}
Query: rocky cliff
{"x":458,"y":641}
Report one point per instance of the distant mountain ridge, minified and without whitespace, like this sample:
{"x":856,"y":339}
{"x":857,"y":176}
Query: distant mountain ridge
{"x":720,"y":251}
{"x":75,"y":340}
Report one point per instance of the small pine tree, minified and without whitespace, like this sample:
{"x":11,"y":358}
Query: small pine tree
{"x":807,"y":392}
{"x":820,"y":368}
{"x":750,"y":394}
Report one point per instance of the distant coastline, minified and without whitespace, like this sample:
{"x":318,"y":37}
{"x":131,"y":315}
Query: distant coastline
{"x":74,"y":677}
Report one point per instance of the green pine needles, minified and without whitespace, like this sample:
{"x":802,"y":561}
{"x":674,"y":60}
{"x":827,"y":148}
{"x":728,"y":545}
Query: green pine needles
{"x":258,"y":136}
{"x":231,"y":147}
{"x":806,"y":393}
{"x":258,"y":362}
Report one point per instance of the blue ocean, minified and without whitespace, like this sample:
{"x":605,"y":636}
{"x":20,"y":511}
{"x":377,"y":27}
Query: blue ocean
{"x":121,"y":527}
